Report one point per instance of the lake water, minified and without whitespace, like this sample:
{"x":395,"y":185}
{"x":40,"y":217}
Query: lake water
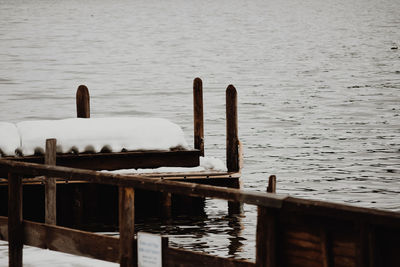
{"x":318,"y":85}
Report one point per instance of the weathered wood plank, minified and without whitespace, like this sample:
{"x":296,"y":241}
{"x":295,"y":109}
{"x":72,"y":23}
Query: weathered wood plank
{"x":82,"y":102}
{"x":67,"y":240}
{"x":50,"y":184}
{"x":127,"y":226}
{"x":121,"y":160}
{"x":232,"y":139}
{"x":178,"y":257}
{"x":140,"y":182}
{"x":198,"y":115}
{"x":15,"y":230}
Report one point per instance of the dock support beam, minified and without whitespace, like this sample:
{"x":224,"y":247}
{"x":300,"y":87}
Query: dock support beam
{"x":198,"y":115}
{"x":50,"y":184}
{"x":15,"y":231}
{"x":127,"y":226}
{"x":82,"y":102}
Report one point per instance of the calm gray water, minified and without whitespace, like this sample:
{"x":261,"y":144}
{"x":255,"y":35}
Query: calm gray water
{"x":318,"y":85}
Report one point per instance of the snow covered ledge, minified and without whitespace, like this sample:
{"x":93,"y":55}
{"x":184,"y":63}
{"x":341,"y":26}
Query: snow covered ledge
{"x":101,"y":134}
{"x":9,"y":139}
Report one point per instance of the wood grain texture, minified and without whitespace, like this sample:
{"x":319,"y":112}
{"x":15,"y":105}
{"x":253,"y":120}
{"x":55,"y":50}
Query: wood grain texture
{"x":127,"y":226}
{"x":50,"y":184}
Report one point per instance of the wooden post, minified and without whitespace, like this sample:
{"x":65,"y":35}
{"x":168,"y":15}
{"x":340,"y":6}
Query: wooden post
{"x":232,"y":140}
{"x":15,"y":230}
{"x":265,"y":238}
{"x":166,"y":199}
{"x":198,"y":115}
{"x":82,"y":102}
{"x":50,"y":184}
{"x":271,"y":184}
{"x":127,"y":226}
{"x":266,"y":227}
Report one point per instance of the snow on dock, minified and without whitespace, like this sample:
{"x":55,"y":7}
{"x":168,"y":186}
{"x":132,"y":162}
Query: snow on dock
{"x":91,"y":135}
{"x":9,"y":138}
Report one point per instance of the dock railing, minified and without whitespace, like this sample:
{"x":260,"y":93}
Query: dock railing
{"x":290,"y":231}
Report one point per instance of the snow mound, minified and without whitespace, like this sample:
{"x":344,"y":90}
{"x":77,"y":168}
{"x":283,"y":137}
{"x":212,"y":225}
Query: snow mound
{"x":9,"y":139}
{"x":101,"y":135}
{"x":206,"y":164}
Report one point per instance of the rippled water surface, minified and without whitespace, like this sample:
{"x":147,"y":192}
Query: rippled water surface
{"x":318,"y":85}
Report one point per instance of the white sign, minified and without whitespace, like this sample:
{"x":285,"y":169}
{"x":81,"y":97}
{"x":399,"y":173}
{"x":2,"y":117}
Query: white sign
{"x":149,"y":250}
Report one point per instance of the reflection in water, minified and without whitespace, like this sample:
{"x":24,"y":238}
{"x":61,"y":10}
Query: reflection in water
{"x":214,"y":233}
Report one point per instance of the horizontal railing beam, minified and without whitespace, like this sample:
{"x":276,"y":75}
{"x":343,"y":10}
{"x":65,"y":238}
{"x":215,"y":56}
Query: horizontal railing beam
{"x":66,"y":240}
{"x":142,"y":182}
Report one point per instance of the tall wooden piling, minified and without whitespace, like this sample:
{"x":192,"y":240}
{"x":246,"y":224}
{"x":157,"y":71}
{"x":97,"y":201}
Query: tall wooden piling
{"x":232,"y":140}
{"x":82,"y":102}
{"x":198,"y":115}
{"x":15,"y":230}
{"x":127,"y":226}
{"x":50,"y":184}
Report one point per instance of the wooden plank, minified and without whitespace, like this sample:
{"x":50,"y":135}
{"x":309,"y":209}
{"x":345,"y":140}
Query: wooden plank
{"x":198,"y":115}
{"x":15,"y":230}
{"x":140,"y":182}
{"x":67,"y":240}
{"x":82,"y":102}
{"x":50,"y":184}
{"x":121,"y":160}
{"x":232,"y":139}
{"x":127,"y":226}
{"x":180,"y":257}
{"x":265,"y":238}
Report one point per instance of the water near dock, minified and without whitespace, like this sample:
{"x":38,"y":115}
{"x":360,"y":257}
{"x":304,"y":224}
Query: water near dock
{"x":318,"y":83}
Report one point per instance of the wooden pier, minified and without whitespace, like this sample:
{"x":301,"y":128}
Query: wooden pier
{"x":290,"y":231}
{"x":80,"y":196}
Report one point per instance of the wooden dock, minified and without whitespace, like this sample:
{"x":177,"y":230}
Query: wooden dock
{"x":80,"y":196}
{"x":290,"y":231}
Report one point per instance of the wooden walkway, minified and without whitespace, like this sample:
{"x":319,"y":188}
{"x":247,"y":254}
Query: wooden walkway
{"x":290,"y":231}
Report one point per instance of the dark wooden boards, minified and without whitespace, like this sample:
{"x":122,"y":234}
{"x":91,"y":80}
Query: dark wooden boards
{"x":120,"y":160}
{"x":67,"y":240}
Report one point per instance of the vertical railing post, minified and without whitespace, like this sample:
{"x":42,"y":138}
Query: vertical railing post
{"x":83,"y":111}
{"x":127,"y":226}
{"x":266,"y":231}
{"x":50,"y":184}
{"x":15,"y":231}
{"x":82,"y":102}
{"x":232,"y":140}
{"x":198,"y":115}
{"x":271,"y":184}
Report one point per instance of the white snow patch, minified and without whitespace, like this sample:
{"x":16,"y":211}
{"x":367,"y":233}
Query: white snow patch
{"x":96,"y":134}
{"x":9,"y":139}
{"x":34,"y":257}
{"x":206,"y":164}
